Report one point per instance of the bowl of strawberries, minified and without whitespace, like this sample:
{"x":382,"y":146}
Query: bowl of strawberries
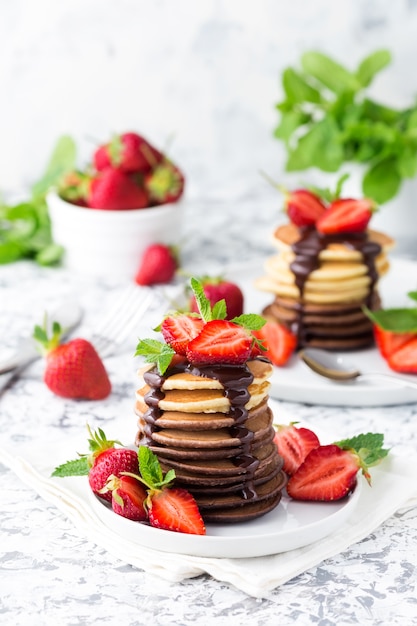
{"x":105,"y":216}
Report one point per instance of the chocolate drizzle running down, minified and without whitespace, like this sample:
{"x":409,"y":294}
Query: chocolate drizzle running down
{"x":235,"y":381}
{"x":307,"y":251}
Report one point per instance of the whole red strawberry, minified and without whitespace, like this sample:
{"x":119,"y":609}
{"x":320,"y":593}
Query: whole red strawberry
{"x":113,"y":190}
{"x":165,"y":183}
{"x":218,"y":288}
{"x":74,"y":369}
{"x":103,"y":461}
{"x":159,"y":264}
{"x":128,"y":152}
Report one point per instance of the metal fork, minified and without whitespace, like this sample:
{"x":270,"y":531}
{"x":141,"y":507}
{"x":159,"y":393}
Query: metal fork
{"x":109,"y":337}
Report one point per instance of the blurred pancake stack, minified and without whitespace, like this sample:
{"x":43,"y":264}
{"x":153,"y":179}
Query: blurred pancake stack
{"x":325,"y":272}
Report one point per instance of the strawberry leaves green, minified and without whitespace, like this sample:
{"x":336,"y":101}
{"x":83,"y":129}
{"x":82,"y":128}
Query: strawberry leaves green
{"x":327,"y":119}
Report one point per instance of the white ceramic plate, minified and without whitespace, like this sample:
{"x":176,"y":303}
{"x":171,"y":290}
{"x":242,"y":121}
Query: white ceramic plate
{"x":297,"y":383}
{"x":289,"y":526}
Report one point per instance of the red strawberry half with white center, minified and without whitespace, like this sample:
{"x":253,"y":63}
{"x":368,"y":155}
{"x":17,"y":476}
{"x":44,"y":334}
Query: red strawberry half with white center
{"x":294,"y":444}
{"x":169,"y":507}
{"x":329,"y":472}
{"x":128,"y":152}
{"x":103,"y":461}
{"x":346,"y":215}
{"x":179,"y":330}
{"x":73,"y":369}
{"x":220,"y":341}
{"x":128,"y":497}
{"x":304,"y":208}
{"x":217,"y":288}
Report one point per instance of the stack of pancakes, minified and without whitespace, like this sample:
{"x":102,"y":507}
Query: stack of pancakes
{"x":321,"y":284}
{"x":213,"y":426}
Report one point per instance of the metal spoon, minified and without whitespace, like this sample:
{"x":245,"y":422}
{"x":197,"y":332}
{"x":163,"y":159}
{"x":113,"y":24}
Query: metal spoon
{"x":336,"y":367}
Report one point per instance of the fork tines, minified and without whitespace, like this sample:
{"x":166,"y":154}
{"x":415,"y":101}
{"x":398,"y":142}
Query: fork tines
{"x":121,"y":319}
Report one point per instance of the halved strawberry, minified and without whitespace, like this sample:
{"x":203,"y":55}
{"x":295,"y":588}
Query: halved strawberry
{"x":294,"y":444}
{"x":175,"y":509}
{"x":179,"y":330}
{"x":329,"y":472}
{"x":128,"y":495}
{"x":219,"y":342}
{"x":404,"y":359}
{"x":389,"y":342}
{"x":346,"y":215}
{"x":278,"y":340}
{"x":304,"y":207}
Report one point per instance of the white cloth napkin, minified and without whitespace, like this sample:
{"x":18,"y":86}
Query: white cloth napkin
{"x":394,"y":486}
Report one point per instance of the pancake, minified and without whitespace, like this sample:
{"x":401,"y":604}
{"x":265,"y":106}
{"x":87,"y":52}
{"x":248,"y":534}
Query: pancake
{"x":213,"y":426}
{"x":321,"y":284}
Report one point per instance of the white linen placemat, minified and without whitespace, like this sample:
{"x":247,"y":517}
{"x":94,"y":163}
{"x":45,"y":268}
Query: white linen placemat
{"x":394,"y":486}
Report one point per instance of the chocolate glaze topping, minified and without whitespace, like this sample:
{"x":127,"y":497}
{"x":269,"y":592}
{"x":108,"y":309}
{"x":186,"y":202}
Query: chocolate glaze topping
{"x":235,"y":380}
{"x":307,"y":250}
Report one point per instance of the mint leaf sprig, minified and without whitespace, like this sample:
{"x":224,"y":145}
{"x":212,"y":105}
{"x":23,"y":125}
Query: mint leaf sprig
{"x":397,"y":320}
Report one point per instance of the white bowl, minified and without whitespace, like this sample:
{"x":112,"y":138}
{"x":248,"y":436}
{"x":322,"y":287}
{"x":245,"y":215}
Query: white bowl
{"x":110,"y":242}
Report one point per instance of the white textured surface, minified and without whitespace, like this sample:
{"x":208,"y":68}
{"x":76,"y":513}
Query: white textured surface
{"x":52,"y":575}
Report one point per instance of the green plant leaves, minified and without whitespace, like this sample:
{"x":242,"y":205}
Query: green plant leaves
{"x":327,"y":120}
{"x":25,"y":227}
{"x":382,"y":181}
{"x":319,"y":147}
{"x":371,"y":65}
{"x":330,"y":73}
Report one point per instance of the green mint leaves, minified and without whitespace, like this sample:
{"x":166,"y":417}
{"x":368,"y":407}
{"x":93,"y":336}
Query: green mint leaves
{"x":397,"y":320}
{"x":150,"y":470}
{"x":77,"y":467}
{"x":368,"y":448}
{"x":25,"y":231}
{"x":156,"y":352}
{"x":327,"y":120}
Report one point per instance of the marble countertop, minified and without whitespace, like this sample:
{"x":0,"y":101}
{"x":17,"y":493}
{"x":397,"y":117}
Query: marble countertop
{"x":50,"y":574}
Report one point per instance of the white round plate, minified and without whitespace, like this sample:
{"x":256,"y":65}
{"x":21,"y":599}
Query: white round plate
{"x":295,"y":382}
{"x":289,"y":526}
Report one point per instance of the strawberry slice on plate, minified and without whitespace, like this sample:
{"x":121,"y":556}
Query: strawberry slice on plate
{"x":175,"y":509}
{"x":329,"y":472}
{"x":294,"y":444}
{"x":389,"y":342}
{"x":278,"y":340}
{"x":404,"y":359}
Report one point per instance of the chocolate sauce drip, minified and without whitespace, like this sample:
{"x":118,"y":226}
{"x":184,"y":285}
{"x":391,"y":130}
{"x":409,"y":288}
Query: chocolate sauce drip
{"x":235,"y":381}
{"x":307,"y":250}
